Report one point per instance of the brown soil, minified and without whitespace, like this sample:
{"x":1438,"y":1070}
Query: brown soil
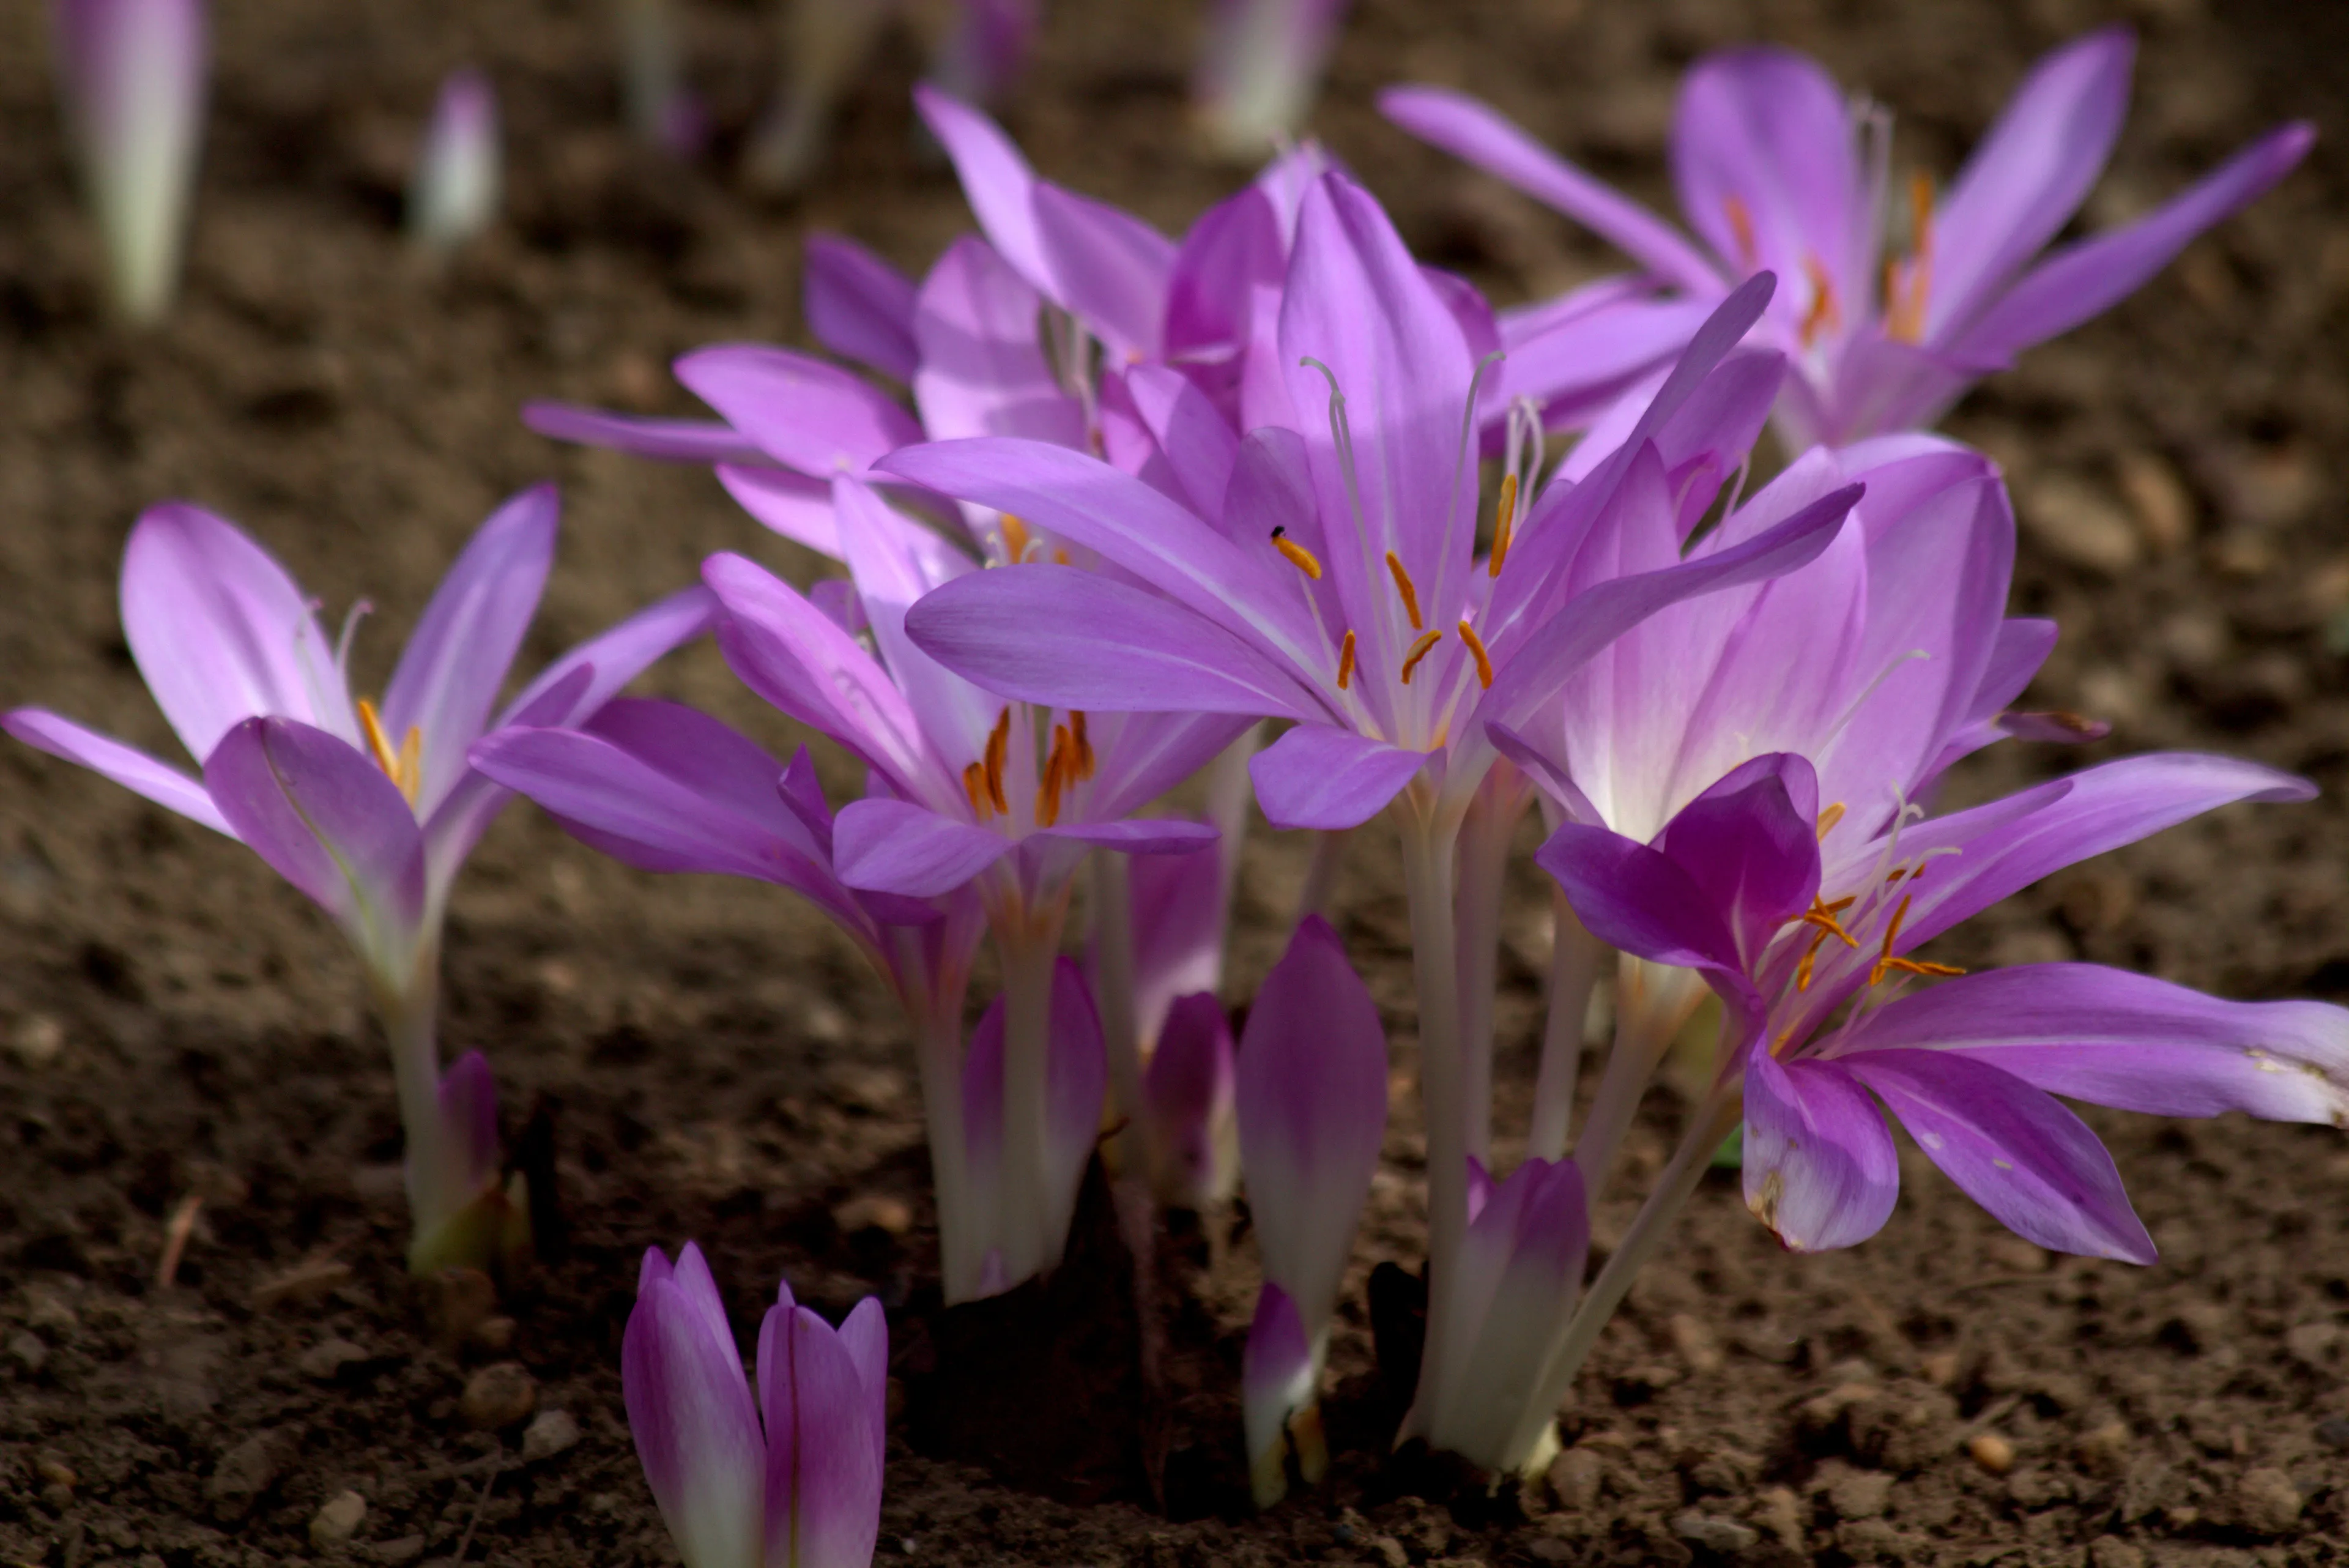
{"x":711,"y":1062}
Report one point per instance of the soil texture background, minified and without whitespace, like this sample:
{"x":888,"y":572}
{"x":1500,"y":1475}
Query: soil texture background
{"x":708,"y":1060}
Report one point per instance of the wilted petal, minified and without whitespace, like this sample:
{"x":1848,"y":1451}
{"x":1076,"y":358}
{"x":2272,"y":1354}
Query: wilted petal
{"x":328,"y":821}
{"x":860,"y":306}
{"x":450,"y":670}
{"x":133,"y":769}
{"x":2112,"y":1038}
{"x":1311,"y":1093}
{"x":696,"y":1429}
{"x":2015,"y":1150}
{"x":1820,"y":1168}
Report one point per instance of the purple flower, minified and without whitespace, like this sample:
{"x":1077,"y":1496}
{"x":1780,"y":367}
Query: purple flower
{"x":1311,"y":1094}
{"x":1259,"y":66}
{"x":1775,"y":170}
{"x":133,"y":76}
{"x":1337,"y":584}
{"x":453,"y":192}
{"x":369,"y":811}
{"x":792,"y":1479}
{"x":1789,"y":930}
{"x":1882,"y":661}
{"x":1188,"y":1106}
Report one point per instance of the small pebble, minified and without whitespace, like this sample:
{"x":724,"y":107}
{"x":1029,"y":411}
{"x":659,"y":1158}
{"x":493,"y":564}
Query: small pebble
{"x":325,"y":1361}
{"x":1940,"y":1368}
{"x":2268,"y":1500}
{"x":39,"y":1040}
{"x":43,"y":1309}
{"x":1574,"y":1477}
{"x":494,"y":1335}
{"x":244,"y":1474}
{"x":54,"y":1471}
{"x":304,"y":1281}
{"x":25,"y":1349}
{"x":2077,"y":523}
{"x":402,"y":1549}
{"x":337,"y":1520}
{"x":2112,"y":1551}
{"x":1695,"y":1340}
{"x":2309,"y":1340}
{"x":2105,"y":1450}
{"x":1992,"y":1452}
{"x":1859,"y":1494}
{"x":874,"y":1211}
{"x":458,"y":1300}
{"x":1778,"y":1510}
{"x":2157,"y":499}
{"x":497,"y":1395}
{"x":1710,"y":1532}
{"x":550,"y":1432}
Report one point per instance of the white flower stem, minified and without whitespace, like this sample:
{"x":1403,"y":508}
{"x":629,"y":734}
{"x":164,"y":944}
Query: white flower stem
{"x":1028,"y":943}
{"x":411,"y":1015}
{"x":1575,"y":959}
{"x":1321,"y":873}
{"x":1483,"y":865}
{"x":1428,"y":832}
{"x":1622,"y":1082}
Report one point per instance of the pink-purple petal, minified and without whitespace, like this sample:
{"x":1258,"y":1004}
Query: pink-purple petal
{"x":1819,"y":1168}
{"x":804,"y":412}
{"x":664,"y":440}
{"x":860,"y":306}
{"x":126,"y":766}
{"x":795,"y":505}
{"x":822,"y":1472}
{"x":1320,"y":776}
{"x":894,"y":847}
{"x":696,"y":1428}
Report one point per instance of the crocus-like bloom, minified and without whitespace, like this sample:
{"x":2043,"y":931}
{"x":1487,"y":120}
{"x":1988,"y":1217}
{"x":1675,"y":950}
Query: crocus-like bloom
{"x":133,"y":75}
{"x":453,"y":191}
{"x":1312,"y":1099}
{"x":1882,"y":661}
{"x":369,"y":811}
{"x":1809,"y":945}
{"x":1259,"y":68}
{"x":1776,"y":170}
{"x":788,"y":1479}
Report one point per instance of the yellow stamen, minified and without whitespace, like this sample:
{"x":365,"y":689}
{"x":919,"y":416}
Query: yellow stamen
{"x":1904,"y":310}
{"x":1887,"y":963}
{"x":1299,"y":555}
{"x":1419,"y":651}
{"x":1346,"y":661}
{"x":999,"y":747}
{"x":1502,"y":520}
{"x":1484,"y":661}
{"x":404,"y":767}
{"x":378,"y":742}
{"x":410,"y":777}
{"x":1823,"y":914}
{"x":1827,"y":820}
{"x":1085,"y":748}
{"x":1015,"y":540}
{"x":1822,"y":315}
{"x":1741,"y":224}
{"x":1403,"y":586}
{"x":974,"y":784}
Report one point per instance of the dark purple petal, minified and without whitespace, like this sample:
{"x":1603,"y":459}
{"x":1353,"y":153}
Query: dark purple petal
{"x":1820,"y":1168}
{"x":1750,"y":845}
{"x":859,"y":307}
{"x":1639,"y":900}
{"x":1187,"y":1094}
{"x":1319,"y":776}
{"x":328,"y":821}
{"x":2112,"y":1038}
{"x":2033,"y":1164}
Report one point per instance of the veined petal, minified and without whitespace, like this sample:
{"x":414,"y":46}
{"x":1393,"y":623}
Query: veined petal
{"x":1470,"y":130}
{"x":221,"y":633}
{"x":793,"y":504}
{"x":804,"y":413}
{"x":2112,"y":1038}
{"x":1311,"y":1092}
{"x":1072,"y":639}
{"x":1084,"y":501}
{"x":1750,"y":843}
{"x":668,"y":440}
{"x":894,"y":562}
{"x":1109,"y":268}
{"x":449,"y":675}
{"x":2029,"y":173}
{"x":1318,"y":775}
{"x":859,"y":307}
{"x":328,"y":821}
{"x":822,"y":1472}
{"x":1820,"y":1168}
{"x":896,"y":846}
{"x":2033,"y":1164}
{"x":2087,"y":278}
{"x":696,"y":1430}
{"x":126,"y":766}
{"x":982,"y":369}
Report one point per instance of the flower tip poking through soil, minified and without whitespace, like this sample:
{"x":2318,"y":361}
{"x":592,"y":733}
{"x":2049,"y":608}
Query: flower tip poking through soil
{"x":454,"y":191}
{"x":133,"y":74}
{"x":1281,"y":1400}
{"x":792,"y":1475}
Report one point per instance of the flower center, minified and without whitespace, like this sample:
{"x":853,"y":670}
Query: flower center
{"x":1069,"y":762}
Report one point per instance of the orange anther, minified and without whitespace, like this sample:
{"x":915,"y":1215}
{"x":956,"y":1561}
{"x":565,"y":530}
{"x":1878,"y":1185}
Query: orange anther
{"x":1503,"y":519}
{"x":1404,"y":586}
{"x":1741,"y":224}
{"x":1346,"y":661}
{"x":1419,"y":651}
{"x":1299,"y":555}
{"x":1476,"y":648}
{"x":999,"y":747}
